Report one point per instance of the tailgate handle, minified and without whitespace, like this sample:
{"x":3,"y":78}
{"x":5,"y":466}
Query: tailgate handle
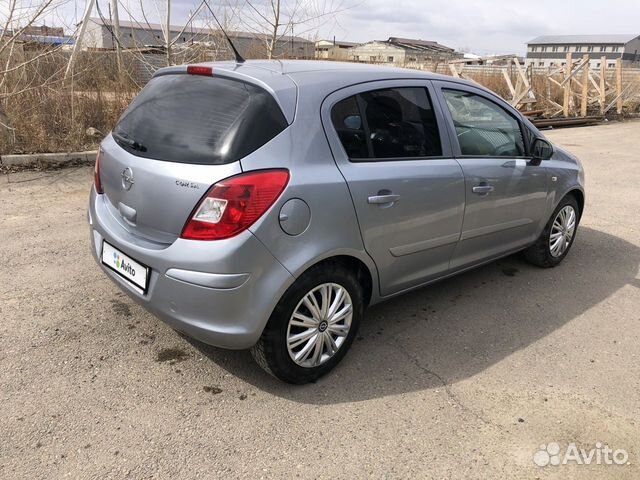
{"x":128,"y":213}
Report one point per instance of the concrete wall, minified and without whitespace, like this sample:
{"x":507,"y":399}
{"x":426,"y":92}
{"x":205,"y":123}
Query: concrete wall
{"x":335,"y":52}
{"x":328,"y":50}
{"x":594,"y":61}
{"x":378,"y":52}
{"x":96,"y":36}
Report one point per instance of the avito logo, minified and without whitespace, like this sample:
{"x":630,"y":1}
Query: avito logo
{"x":121,"y":264}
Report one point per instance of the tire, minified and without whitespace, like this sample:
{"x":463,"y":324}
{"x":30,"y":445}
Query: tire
{"x":540,"y":253}
{"x":273,"y":352}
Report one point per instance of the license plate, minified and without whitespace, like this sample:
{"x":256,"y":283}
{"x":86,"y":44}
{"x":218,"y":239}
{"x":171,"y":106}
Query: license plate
{"x":136,"y":273}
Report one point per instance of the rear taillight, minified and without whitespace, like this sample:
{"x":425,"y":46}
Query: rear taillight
{"x":96,"y":173}
{"x":233,"y":205}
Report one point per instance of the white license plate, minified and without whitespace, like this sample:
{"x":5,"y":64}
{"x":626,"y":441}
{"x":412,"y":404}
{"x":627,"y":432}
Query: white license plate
{"x":125,"y":266}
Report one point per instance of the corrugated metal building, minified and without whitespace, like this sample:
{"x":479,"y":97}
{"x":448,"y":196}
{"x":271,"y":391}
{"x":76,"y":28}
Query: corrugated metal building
{"x":551,"y":50}
{"x":137,"y":35}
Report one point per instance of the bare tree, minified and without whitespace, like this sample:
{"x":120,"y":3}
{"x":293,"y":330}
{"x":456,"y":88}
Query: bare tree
{"x":274,"y":20}
{"x":16,"y":17}
{"x":170,"y":40}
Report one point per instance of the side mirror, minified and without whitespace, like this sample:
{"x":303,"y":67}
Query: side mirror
{"x":541,"y":149}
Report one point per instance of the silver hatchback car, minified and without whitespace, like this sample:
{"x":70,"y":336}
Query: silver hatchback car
{"x":264,"y":205}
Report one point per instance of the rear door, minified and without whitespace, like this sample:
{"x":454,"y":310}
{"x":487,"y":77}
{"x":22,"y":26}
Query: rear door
{"x":407,"y":189}
{"x":505,"y":189}
{"x":179,"y":136}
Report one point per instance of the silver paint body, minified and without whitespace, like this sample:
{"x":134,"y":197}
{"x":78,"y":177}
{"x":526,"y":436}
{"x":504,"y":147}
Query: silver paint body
{"x":223,"y":292}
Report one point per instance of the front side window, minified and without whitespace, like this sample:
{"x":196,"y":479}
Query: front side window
{"x":388,"y":123}
{"x":483,"y":128}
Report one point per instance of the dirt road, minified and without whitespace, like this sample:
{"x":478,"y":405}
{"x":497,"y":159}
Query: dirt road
{"x":464,"y":379}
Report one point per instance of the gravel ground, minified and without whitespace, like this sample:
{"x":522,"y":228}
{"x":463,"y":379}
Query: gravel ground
{"x":464,"y":379}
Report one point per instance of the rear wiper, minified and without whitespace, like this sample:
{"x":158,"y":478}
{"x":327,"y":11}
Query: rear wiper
{"x":130,"y":142}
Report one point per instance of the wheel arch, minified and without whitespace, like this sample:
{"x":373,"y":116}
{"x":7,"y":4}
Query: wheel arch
{"x":579,"y":196}
{"x":354,"y":264}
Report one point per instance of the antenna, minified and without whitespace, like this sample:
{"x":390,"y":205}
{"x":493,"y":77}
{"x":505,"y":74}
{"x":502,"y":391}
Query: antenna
{"x":239,"y":58}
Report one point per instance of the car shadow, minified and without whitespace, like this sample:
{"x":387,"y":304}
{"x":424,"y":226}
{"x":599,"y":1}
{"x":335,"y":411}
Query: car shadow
{"x":456,"y":328}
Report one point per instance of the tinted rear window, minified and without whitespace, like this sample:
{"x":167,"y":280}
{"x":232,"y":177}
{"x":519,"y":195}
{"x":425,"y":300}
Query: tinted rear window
{"x":197,"y":119}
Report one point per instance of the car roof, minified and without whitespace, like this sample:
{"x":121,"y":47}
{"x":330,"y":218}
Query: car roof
{"x":294,"y":69}
{"x":287,"y":79}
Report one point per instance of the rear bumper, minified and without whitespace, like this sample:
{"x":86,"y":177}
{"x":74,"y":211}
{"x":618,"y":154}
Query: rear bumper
{"x":221,"y":293}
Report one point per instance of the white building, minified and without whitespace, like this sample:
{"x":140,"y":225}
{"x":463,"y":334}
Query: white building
{"x":401,"y":51}
{"x":551,"y":50}
{"x":334,"y":50}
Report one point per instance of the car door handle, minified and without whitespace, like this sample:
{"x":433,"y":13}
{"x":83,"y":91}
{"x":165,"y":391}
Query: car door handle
{"x":383,"y":199}
{"x":482,"y":189}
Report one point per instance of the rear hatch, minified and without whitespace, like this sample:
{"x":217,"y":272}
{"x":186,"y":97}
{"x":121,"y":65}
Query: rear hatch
{"x":179,"y":136}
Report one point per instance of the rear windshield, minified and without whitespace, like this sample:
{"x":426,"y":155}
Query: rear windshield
{"x":197,"y":119}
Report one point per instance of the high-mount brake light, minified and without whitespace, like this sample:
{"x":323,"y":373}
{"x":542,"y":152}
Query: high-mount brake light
{"x":199,"y":70}
{"x":233,"y":205}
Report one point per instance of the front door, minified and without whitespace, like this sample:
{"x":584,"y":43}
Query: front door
{"x":407,"y":189}
{"x":505,"y":189}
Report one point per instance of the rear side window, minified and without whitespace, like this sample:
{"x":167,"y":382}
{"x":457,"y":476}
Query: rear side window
{"x":388,"y":123}
{"x":197,"y":119}
{"x":348,"y":123}
{"x":483,"y":128}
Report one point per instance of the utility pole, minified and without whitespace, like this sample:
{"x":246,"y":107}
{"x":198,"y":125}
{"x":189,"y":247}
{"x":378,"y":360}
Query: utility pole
{"x":167,"y":35}
{"x":115,"y":26}
{"x":80,"y":37}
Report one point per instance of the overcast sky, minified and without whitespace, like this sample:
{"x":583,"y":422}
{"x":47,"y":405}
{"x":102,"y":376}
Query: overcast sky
{"x":483,"y":27}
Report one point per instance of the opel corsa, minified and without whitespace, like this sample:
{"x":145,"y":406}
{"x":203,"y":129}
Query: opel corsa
{"x":265,"y":204}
